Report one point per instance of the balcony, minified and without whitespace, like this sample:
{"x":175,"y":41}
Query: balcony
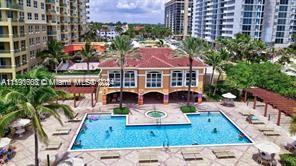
{"x":5,"y":66}
{"x":12,"y":6}
{"x":4,"y":51}
{"x":51,"y":11}
{"x":4,"y":35}
{"x":51,"y":33}
{"x":50,"y":1}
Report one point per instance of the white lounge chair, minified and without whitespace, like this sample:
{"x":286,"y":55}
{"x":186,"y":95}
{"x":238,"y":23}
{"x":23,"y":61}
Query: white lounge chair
{"x":54,"y":145}
{"x":191,"y":155}
{"x":148,"y":157}
{"x":62,"y":132}
{"x":110,"y":155}
{"x":221,"y":153}
{"x":271,"y":133}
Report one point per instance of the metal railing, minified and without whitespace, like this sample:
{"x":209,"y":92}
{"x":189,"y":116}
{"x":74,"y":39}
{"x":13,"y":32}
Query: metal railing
{"x":11,"y":6}
{"x":4,"y":51}
{"x":5,"y":66}
{"x":4,"y":35}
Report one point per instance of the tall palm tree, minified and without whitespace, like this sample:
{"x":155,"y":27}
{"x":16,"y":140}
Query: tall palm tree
{"x":53,"y":55}
{"x":292,"y":127}
{"x":87,"y":53}
{"x":193,"y":47}
{"x":29,"y":102}
{"x":122,"y":45}
{"x":118,"y":29}
{"x":214,"y":59}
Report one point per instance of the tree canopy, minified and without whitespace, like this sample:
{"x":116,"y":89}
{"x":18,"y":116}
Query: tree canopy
{"x":263,"y":75}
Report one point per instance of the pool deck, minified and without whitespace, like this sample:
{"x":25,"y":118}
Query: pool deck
{"x":244,"y":153}
{"x":174,"y":116}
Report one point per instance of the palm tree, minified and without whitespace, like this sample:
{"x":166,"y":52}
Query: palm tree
{"x":53,"y":55}
{"x":122,"y":45}
{"x":193,"y":47}
{"x":214,"y":59}
{"x":87,"y":53}
{"x":292,"y":127}
{"x":118,"y":29}
{"x":31,"y":101}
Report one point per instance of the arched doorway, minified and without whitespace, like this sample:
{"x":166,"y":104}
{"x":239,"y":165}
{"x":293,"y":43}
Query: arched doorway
{"x":128,"y":98}
{"x":181,"y":96}
{"x":153,"y":98}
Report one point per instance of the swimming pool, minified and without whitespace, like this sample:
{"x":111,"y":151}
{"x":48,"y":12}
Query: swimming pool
{"x":111,"y":132}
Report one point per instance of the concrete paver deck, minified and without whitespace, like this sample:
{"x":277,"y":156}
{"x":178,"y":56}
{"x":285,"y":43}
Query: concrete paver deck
{"x":172,"y":156}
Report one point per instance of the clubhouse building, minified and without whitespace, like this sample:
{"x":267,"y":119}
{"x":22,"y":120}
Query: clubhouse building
{"x":154,"y":75}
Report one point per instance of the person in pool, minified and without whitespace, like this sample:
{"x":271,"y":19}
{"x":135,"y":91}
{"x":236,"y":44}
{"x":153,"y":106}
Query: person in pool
{"x":215,"y":130}
{"x":241,"y":136}
{"x":152,"y":133}
{"x":77,"y":143}
{"x":110,"y":128}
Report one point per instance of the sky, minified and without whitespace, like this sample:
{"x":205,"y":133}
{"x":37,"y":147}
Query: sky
{"x":131,"y":11}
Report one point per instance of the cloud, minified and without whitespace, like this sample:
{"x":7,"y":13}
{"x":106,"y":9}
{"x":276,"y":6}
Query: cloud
{"x":146,"y":11}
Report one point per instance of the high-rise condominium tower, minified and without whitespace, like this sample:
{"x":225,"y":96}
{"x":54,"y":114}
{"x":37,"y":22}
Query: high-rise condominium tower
{"x":174,"y":16}
{"x":27,"y":25}
{"x":272,"y":21}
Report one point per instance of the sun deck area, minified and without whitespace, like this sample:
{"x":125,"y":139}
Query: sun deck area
{"x":244,"y":154}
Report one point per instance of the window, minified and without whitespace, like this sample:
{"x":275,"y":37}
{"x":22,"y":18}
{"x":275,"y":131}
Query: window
{"x":29,"y":3}
{"x":246,"y":27}
{"x":281,"y":21}
{"x":247,"y":21}
{"x":129,"y":79}
{"x":29,"y":16}
{"x":35,"y":4}
{"x":249,"y":1}
{"x":177,"y":78}
{"x":280,"y":28}
{"x":247,"y":14}
{"x":282,"y":15}
{"x":280,"y":34}
{"x":283,"y":8}
{"x":279,"y":41}
{"x":153,"y":79}
{"x":194,"y":78}
{"x":248,"y":8}
{"x":36,"y":16}
{"x":284,"y":1}
{"x":43,"y":16}
{"x":114,"y":77}
{"x":42,"y":5}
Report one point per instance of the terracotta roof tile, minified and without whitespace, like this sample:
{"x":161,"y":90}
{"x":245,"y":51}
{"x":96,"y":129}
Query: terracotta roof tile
{"x":154,"y":58}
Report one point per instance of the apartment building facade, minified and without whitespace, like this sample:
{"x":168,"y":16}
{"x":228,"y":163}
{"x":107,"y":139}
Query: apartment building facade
{"x":174,"y":16}
{"x":27,"y":25}
{"x":269,"y":20}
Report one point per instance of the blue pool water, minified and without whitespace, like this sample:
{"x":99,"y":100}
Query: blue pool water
{"x":99,"y":136}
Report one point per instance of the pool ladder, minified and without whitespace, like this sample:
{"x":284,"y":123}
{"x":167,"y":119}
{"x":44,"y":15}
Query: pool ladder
{"x":158,"y":121}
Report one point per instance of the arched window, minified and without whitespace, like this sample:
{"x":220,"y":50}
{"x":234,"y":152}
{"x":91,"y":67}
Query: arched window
{"x":153,"y":79}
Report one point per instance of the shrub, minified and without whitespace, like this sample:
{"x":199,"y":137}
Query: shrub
{"x":123,"y":110}
{"x":188,"y":109}
{"x":288,"y":159}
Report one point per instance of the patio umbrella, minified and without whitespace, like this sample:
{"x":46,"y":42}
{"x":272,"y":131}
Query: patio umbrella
{"x":20,"y":123}
{"x":229,"y":95}
{"x":268,"y":147}
{"x":4,"y":142}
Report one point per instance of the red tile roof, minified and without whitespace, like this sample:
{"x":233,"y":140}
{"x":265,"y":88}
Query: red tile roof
{"x":153,"y":58}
